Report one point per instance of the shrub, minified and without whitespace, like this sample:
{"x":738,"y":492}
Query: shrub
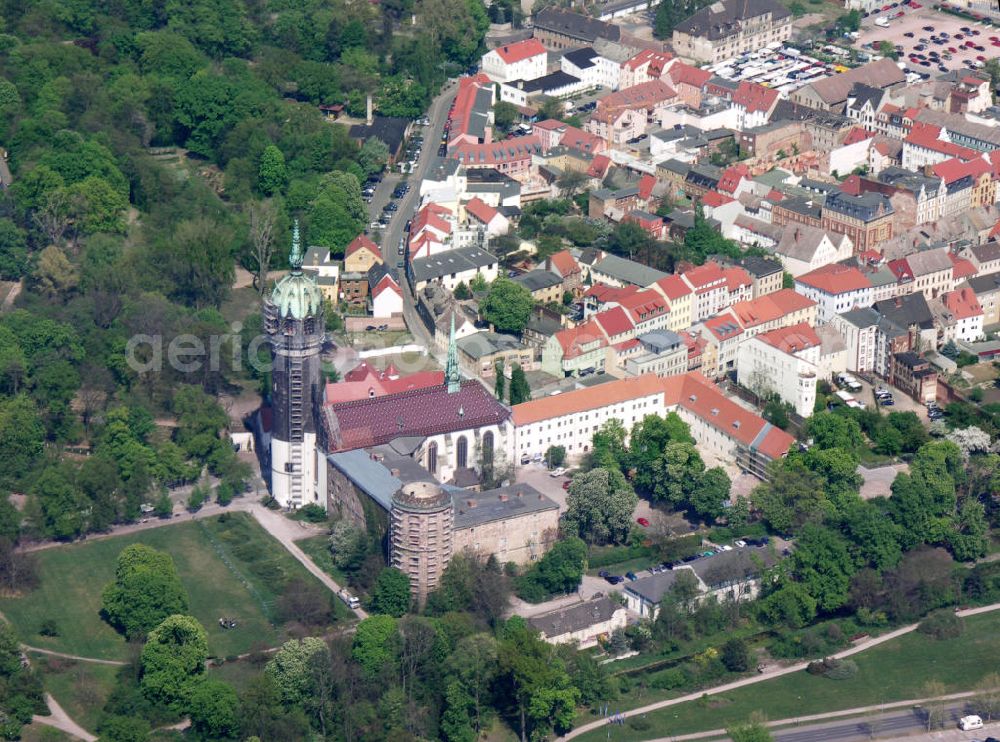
{"x":942,"y":625}
{"x":668,"y":679}
{"x":736,"y":655}
{"x":48,"y":627}
{"x":639,"y":723}
{"x":841,"y":670}
{"x":313,"y":513}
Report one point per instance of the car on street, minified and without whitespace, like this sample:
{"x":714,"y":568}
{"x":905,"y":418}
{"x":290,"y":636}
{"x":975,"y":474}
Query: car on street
{"x":740,"y":543}
{"x":603,"y":574}
{"x":644,"y":522}
{"x":631,"y":576}
{"x":557,"y":472}
{"x":525,"y":459}
{"x":565,"y":485}
{"x":614,"y":579}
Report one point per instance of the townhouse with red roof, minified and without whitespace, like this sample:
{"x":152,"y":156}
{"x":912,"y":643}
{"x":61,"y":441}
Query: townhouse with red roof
{"x":774,"y":311}
{"x":564,"y":265}
{"x":365,"y":381}
{"x":961,"y":269}
{"x":574,"y":350}
{"x":431,"y":231}
{"x":647,"y":310}
{"x":509,"y":156}
{"x":969,"y":184}
{"x":929,"y":272}
{"x":783,"y":362}
{"x":735,"y":181}
{"x":652,"y":224}
{"x":552,"y":133}
{"x":616,"y":325}
{"x":680,"y":298}
{"x":926,"y":144}
{"x":645,"y":66}
{"x":627,"y":113}
{"x":484,"y":217}
{"x":361,"y":254}
{"x":836,"y":289}
{"x":961,"y":315}
{"x":724,"y":334}
{"x":524,"y":60}
{"x":689,"y":82}
{"x":470,"y":115}
{"x":754,"y":104}
{"x":386,"y":298}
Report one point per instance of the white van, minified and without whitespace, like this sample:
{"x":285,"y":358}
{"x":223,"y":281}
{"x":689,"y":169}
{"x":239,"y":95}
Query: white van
{"x":968,"y":723}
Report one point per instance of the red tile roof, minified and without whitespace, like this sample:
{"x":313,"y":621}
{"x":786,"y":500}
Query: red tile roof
{"x":962,"y":303}
{"x":581,"y":400}
{"x":564,"y":263}
{"x":504,"y":150}
{"x":755,"y":97}
{"x":656,"y":60}
{"x":418,"y":412}
{"x":770,"y":307}
{"x":378,"y":383}
{"x":646,"y":184}
{"x":605,"y":294}
{"x":386,"y":283}
{"x":836,"y":279}
{"x":961,"y":268}
{"x":703,"y":399}
{"x":599,"y":166}
{"x":614,"y":322}
{"x":927,"y":136}
{"x":573,"y":339}
{"x":579,"y":139}
{"x":714,"y":199}
{"x":792,"y":339}
{"x":673,"y":287}
{"x":731,"y":178}
{"x":704,"y":277}
{"x":900,"y":269}
{"x":686,"y":74}
{"x":955,"y":169}
{"x":857,"y":134}
{"x":645,"y":305}
{"x":480,"y":210}
{"x":724,"y":326}
{"x":851,"y":185}
{"x":644,"y":95}
{"x":736,"y":278}
{"x":513,"y":53}
{"x":361,"y":242}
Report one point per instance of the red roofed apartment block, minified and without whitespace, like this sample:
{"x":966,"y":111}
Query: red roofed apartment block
{"x":689,"y":82}
{"x":627,"y":113}
{"x":732,"y":178}
{"x":510,"y":156}
{"x":525,"y":60}
{"x":387,"y":298}
{"x":645,"y":66}
{"x":754,"y":104}
{"x":599,"y":167}
{"x":615,"y":324}
{"x":927,"y":144}
{"x":470,"y":112}
{"x":552,"y":133}
{"x":966,"y":322}
{"x":482,"y":214}
{"x":564,"y":265}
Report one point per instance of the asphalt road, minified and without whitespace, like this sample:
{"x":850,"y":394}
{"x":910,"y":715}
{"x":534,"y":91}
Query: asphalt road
{"x":891,"y":724}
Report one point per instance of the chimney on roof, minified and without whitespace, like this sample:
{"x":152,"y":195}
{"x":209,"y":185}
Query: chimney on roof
{"x":394,"y":472}
{"x":502,"y":497}
{"x":470,"y":502}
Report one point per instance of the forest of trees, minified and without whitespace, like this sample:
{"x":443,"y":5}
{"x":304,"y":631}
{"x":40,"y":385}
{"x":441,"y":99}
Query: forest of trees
{"x":153,"y":148}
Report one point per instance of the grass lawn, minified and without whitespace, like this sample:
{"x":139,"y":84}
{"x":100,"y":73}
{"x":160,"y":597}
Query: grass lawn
{"x":317,"y":549}
{"x":81,"y":688}
{"x":238,"y":673}
{"x":42,"y":733}
{"x":230,"y":568}
{"x":894,"y":671}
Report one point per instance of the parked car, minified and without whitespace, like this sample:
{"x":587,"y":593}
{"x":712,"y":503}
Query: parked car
{"x":740,"y":543}
{"x":642,"y":522}
{"x":565,"y":485}
{"x":557,"y":472}
{"x":614,"y":579}
{"x":525,"y":459}
{"x":603,"y":573}
{"x":631,"y":576}
{"x":970,"y":722}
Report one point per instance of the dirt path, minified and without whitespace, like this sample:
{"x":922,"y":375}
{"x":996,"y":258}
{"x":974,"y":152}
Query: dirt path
{"x":62,"y":721}
{"x":284,"y":530}
{"x":76,"y":657}
{"x":767,"y":675}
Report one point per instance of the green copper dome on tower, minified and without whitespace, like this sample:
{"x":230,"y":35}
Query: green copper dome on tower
{"x":297,"y":294}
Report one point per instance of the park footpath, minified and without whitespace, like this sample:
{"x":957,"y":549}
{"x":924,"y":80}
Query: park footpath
{"x":769,"y":674}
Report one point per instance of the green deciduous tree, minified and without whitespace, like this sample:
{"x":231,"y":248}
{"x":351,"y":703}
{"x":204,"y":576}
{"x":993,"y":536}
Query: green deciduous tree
{"x":288,"y":670}
{"x":675,"y":473}
{"x":145,"y":591}
{"x":559,"y":571}
{"x":213,"y":708}
{"x":337,"y":214}
{"x":822,"y":565}
{"x":507,"y":306}
{"x":543,"y":696}
{"x":600,"y":505}
{"x":173,"y":660}
{"x":391,"y":594}
{"x":272,"y":175}
{"x":520,"y":391}
{"x":375,"y":645}
{"x":13,"y":251}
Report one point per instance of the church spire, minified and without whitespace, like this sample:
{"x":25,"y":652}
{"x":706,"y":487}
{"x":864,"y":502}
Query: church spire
{"x":295,"y":256}
{"x":451,"y":374}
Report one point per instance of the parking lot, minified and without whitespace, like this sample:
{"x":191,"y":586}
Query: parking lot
{"x":783,"y":68}
{"x":953,"y":40}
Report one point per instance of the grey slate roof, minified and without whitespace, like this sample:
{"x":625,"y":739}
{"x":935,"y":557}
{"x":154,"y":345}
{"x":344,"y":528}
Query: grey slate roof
{"x":986,"y":252}
{"x":628,"y":271}
{"x":575,"y":25}
{"x":737,"y":565}
{"x":658,"y":341}
{"x":653,"y":587}
{"x":477,"y":508}
{"x":912,"y":309}
{"x":801,"y":241}
{"x":537,"y":279}
{"x":726,"y":17}
{"x":582,"y":58}
{"x":551,"y":81}
{"x":486,"y":343}
{"x":862,"y":317}
{"x":450,"y":261}
{"x":759,"y":267}
{"x":866,"y":207}
{"x":575,"y":617}
{"x":984,"y":284}
{"x":368,"y":475}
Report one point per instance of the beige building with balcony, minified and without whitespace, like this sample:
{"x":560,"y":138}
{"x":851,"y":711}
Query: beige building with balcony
{"x":727,"y":28}
{"x":783,"y":362}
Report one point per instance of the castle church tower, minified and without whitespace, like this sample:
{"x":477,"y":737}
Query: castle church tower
{"x":293,"y":322}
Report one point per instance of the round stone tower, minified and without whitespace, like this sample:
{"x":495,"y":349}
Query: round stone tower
{"x":421,"y":521}
{"x":293,"y":322}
